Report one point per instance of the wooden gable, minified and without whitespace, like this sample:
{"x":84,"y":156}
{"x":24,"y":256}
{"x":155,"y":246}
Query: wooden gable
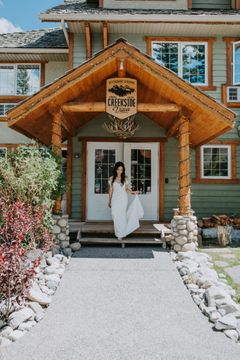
{"x":162,"y":95}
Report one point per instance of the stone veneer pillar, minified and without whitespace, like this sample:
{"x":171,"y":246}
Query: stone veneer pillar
{"x":184,"y":235}
{"x":61,"y":234}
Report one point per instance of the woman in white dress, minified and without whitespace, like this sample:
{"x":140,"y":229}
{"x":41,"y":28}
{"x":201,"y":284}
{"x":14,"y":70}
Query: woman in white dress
{"x":125,"y":219}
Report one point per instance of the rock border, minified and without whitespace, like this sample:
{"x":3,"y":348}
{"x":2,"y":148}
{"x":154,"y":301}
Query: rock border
{"x":39,"y":297}
{"x":210,"y":291}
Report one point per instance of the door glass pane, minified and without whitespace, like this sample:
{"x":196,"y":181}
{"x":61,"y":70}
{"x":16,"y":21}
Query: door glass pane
{"x":104,"y":165}
{"x":141,"y":170}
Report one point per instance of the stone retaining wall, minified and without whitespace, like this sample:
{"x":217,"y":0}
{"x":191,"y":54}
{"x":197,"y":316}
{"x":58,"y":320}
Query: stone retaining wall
{"x":61,"y":234}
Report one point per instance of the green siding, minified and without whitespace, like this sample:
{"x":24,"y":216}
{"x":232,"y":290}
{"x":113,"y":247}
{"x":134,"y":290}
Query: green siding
{"x":206,"y":198}
{"x":211,"y":4}
{"x":93,"y":128}
{"x":79,"y":49}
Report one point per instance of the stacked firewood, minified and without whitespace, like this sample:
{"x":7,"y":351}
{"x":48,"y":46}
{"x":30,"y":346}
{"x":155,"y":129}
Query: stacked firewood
{"x":214,"y":220}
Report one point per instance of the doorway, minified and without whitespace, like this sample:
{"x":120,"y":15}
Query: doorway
{"x":142,"y":167}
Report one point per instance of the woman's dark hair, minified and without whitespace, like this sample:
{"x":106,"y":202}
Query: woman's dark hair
{"x":117,"y":165}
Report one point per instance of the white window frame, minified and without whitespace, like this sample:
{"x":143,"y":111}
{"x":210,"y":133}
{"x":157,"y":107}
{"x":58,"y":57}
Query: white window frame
{"x":4,"y":104}
{"x":15,"y":76}
{"x":229,"y":162}
{"x":180,"y":56}
{"x":233,"y":63}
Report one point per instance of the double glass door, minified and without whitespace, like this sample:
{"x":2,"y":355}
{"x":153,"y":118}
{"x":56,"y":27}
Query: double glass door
{"x":141,"y":162}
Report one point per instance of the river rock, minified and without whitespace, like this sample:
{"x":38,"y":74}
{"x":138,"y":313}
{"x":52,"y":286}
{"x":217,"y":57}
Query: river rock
{"x":52,"y":285}
{"x":36,"y":308}
{"x":232,"y":334}
{"x":26,"y":326}
{"x":35,"y":294}
{"x":75,"y":246}
{"x":18,"y":317}
{"x":226,"y":322}
{"x":6,"y":331}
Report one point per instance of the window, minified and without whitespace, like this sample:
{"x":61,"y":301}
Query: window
{"x":236,"y":63}
{"x":4,"y":107}
{"x":187,"y":59}
{"x":19,"y":79}
{"x":216,"y":161}
{"x":3,"y":152}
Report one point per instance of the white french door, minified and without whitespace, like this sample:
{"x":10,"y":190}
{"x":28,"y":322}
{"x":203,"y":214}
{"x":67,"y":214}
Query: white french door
{"x":141,"y":161}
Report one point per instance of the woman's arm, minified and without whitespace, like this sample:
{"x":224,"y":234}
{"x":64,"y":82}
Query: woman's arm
{"x":128,"y":189}
{"x":110,"y":191}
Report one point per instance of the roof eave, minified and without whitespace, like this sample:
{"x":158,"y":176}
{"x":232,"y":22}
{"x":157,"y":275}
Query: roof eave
{"x":33,"y":51}
{"x":81,"y":16}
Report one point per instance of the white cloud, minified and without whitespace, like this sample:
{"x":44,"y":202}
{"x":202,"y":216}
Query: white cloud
{"x":8,"y":27}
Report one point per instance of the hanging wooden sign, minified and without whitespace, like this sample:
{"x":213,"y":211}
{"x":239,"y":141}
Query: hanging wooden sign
{"x":121,"y":97}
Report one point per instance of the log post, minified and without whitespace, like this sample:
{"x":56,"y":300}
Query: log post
{"x":184,"y":166}
{"x":184,"y":224}
{"x":56,"y":144}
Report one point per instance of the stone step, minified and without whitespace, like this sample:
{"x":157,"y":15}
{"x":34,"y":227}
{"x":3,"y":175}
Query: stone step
{"x":113,"y":240}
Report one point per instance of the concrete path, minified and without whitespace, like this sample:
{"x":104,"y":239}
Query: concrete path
{"x":123,"y":304}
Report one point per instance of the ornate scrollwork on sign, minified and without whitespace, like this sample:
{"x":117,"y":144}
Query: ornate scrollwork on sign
{"x":122,"y":128}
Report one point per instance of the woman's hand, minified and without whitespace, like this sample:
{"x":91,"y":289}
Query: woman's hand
{"x":109,"y":205}
{"x":135,"y":192}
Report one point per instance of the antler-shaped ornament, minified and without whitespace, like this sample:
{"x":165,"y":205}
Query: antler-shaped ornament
{"x":122,"y":128}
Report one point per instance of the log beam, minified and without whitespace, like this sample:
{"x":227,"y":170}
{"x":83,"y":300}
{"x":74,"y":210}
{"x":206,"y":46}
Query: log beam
{"x":88,"y":36}
{"x":184,"y":166}
{"x":101,"y":107}
{"x":105,"y":34}
{"x":55,"y":111}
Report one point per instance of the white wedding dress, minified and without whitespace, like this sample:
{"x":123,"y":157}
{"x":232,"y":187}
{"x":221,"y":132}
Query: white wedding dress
{"x":125,"y":219}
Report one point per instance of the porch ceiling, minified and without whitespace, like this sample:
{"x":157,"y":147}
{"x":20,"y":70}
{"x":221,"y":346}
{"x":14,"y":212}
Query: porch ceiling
{"x":86,"y":83}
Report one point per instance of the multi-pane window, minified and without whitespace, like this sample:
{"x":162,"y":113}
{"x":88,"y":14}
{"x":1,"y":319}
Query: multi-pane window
{"x":4,"y":107}
{"x":188,"y":60}
{"x":104,"y":165}
{"x":141,"y":170}
{"x":236,"y":63}
{"x":3,"y":151}
{"x":216,"y":161}
{"x":19,"y":79}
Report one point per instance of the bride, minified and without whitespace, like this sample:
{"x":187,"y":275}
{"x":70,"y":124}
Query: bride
{"x":125,"y":220}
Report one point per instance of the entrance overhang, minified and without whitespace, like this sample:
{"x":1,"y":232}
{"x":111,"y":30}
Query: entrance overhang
{"x":79,"y":96}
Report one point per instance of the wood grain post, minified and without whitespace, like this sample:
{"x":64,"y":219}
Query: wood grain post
{"x":56,"y":145}
{"x":184,"y":167}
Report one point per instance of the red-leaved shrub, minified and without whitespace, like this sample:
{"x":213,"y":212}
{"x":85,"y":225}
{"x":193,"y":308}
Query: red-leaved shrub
{"x":21,"y":230}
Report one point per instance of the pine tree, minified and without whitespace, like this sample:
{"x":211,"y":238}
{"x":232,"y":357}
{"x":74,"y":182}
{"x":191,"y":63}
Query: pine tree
{"x":23,"y":78}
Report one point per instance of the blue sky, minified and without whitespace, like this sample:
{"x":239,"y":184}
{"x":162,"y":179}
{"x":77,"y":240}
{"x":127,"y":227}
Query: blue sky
{"x":23,"y":14}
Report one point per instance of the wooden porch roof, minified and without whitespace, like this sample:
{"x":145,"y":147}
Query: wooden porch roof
{"x":87,"y":84}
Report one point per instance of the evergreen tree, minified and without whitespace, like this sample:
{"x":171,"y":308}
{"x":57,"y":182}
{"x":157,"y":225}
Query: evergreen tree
{"x":23,"y":78}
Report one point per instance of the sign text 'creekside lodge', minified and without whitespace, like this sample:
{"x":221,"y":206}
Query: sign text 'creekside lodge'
{"x":121,"y":97}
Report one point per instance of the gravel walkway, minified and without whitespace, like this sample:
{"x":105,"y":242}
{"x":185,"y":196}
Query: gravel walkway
{"x":122,"y":304}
